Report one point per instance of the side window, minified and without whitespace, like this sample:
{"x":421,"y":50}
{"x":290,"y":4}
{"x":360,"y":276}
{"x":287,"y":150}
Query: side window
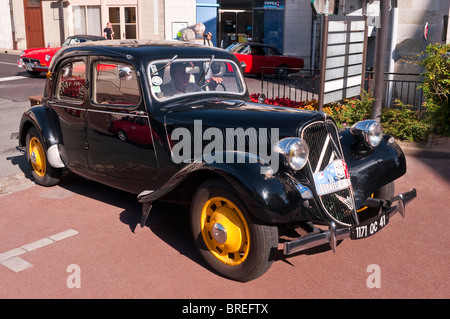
{"x":114,"y":83}
{"x":71,"y":82}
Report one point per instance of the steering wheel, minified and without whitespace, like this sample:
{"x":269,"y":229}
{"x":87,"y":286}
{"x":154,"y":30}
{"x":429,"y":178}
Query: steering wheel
{"x":203,"y":87}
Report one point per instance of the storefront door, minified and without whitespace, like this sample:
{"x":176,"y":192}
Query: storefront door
{"x":33,"y":24}
{"x":235,"y":26}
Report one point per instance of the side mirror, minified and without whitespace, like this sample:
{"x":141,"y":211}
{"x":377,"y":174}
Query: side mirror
{"x":261,"y":98}
{"x":125,"y":73}
{"x":243,"y":66}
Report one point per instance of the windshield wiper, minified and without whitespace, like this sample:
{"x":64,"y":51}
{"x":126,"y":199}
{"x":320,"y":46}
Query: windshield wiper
{"x":206,"y":70}
{"x":165,"y":65}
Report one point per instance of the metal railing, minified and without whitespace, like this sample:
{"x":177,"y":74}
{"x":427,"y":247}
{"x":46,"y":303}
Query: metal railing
{"x":404,"y":87}
{"x":295,"y":84}
{"x":303,"y":84}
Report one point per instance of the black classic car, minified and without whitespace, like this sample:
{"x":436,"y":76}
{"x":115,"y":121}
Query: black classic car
{"x":171,"y":121}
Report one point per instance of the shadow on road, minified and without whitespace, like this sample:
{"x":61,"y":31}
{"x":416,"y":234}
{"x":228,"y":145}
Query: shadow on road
{"x":170,"y":222}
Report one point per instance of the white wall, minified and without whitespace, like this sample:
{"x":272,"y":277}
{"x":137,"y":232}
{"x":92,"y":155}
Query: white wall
{"x":178,"y":11}
{"x":6,"y":40}
{"x":297,"y":29}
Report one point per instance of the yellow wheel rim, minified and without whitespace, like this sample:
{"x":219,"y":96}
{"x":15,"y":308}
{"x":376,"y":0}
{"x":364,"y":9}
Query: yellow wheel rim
{"x":225,"y":231}
{"x":37,"y":157}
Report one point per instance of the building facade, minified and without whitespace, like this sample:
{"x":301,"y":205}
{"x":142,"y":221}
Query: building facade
{"x":290,"y":25}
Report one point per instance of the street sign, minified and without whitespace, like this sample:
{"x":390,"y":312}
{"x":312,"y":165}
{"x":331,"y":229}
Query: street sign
{"x":325,"y":6}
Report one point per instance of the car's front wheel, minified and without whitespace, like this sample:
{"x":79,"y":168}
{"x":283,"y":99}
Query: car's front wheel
{"x":41,"y":170}
{"x":34,"y":73}
{"x":229,"y":239}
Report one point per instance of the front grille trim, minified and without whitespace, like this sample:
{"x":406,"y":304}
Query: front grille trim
{"x":339,"y":205}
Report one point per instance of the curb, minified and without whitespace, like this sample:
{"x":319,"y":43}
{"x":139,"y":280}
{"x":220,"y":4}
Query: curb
{"x":10,"y":51}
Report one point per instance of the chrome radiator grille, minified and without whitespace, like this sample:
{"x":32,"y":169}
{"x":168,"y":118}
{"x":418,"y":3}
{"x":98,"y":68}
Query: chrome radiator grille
{"x":324,"y":149}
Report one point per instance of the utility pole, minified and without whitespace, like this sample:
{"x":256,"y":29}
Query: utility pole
{"x":62,"y":36}
{"x":380,"y":55}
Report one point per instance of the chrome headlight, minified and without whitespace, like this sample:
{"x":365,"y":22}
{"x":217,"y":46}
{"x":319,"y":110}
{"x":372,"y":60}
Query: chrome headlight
{"x":368,"y":132}
{"x":295,"y":151}
{"x":48,"y":57}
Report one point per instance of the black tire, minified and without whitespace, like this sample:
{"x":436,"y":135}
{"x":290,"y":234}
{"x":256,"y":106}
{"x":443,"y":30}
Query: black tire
{"x":34,"y":73}
{"x":42,"y":172}
{"x":283,"y":70}
{"x":216,"y":201}
{"x":385,"y":192}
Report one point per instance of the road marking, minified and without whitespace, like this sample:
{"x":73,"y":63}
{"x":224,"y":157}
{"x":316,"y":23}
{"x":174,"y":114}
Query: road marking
{"x":12,"y":78}
{"x":9,"y":63}
{"x":11,"y":257}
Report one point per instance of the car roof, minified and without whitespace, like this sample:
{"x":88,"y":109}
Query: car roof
{"x":141,"y":50}
{"x":87,"y":37}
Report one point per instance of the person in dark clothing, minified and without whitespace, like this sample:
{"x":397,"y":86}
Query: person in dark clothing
{"x":108,"y":32}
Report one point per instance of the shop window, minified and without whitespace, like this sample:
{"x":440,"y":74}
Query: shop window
{"x":86,"y":20}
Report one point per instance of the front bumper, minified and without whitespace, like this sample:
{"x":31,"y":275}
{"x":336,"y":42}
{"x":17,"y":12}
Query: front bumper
{"x":365,"y":229}
{"x":30,"y":66}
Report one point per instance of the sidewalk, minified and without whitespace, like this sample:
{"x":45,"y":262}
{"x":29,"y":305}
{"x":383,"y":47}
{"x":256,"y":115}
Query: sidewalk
{"x":435,"y":147}
{"x":10,"y":51}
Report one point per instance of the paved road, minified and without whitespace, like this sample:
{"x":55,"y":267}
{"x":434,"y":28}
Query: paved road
{"x":15,"y":88}
{"x":83,"y":240}
{"x":118,"y":259}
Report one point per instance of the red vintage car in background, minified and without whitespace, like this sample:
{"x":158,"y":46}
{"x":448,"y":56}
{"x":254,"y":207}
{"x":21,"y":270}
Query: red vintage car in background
{"x":256,"y":56}
{"x":37,"y":60}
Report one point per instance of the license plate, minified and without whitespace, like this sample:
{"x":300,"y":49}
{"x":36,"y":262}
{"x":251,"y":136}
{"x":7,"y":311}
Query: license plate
{"x":28,"y":67}
{"x":368,"y":229}
{"x":333,"y":178}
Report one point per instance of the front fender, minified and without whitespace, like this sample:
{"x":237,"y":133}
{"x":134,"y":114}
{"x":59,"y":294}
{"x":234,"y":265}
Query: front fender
{"x":271,"y":198}
{"x":372,"y":169}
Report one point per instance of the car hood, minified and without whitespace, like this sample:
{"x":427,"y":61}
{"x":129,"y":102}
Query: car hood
{"x":40,"y":51}
{"x":238,"y":114}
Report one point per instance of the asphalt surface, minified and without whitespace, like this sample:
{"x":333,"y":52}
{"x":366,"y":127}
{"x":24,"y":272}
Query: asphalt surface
{"x":83,"y":240}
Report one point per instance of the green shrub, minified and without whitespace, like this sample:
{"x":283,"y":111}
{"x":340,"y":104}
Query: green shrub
{"x":404,"y":123}
{"x":436,"y":86}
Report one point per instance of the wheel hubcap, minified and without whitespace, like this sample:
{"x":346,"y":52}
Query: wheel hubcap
{"x":225,"y":231}
{"x":219,"y":233}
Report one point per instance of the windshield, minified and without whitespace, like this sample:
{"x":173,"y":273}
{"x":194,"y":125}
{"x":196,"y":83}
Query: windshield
{"x":241,"y":48}
{"x":175,"y":77}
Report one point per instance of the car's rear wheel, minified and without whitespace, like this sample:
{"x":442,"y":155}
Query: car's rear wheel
{"x":122,"y":135}
{"x":282,"y":70}
{"x":229,"y":239}
{"x":41,"y":170}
